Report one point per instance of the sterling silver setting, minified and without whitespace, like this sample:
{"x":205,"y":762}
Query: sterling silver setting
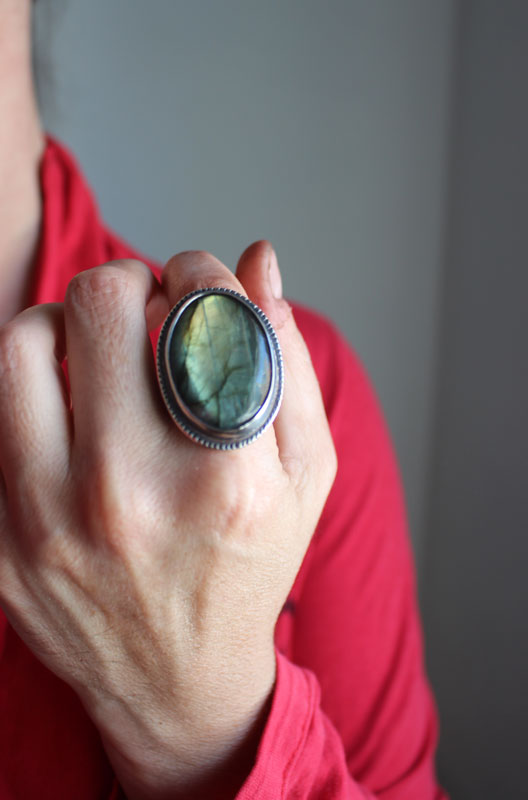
{"x":191,"y":425}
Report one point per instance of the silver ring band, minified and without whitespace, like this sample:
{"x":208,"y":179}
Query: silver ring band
{"x":220,"y":368}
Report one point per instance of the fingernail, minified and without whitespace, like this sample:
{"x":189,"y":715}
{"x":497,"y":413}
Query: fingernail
{"x":274,"y":275}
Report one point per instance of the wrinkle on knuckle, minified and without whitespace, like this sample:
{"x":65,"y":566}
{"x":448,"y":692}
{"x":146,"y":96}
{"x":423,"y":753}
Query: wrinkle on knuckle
{"x":100,"y":295}
{"x":15,"y":349}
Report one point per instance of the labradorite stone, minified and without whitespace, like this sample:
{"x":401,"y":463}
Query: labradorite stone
{"x":220,"y":359}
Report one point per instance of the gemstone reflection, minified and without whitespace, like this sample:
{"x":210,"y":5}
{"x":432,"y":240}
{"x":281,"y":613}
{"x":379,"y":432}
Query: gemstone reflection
{"x":220,"y":361}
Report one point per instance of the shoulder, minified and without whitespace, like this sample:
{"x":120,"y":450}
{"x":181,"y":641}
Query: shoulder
{"x":367,"y":494}
{"x":351,"y":402}
{"x":331,"y":355}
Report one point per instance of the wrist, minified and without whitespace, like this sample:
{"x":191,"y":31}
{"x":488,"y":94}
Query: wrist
{"x":203,"y":747}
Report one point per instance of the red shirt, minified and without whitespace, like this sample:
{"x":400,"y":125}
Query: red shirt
{"x":352,"y":713}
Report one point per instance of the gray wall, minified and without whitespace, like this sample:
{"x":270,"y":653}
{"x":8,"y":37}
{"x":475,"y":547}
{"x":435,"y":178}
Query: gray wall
{"x":475,"y":586}
{"x":321,"y":126}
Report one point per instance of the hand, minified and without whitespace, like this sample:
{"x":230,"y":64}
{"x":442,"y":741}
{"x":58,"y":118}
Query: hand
{"x":144,"y":570}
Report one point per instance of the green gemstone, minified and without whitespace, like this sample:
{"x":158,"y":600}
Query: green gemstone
{"x":220,"y":360}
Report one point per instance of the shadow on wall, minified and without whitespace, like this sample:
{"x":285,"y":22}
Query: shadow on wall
{"x":475,"y":589}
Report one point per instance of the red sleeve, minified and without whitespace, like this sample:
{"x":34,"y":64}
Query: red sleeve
{"x":352,"y":714}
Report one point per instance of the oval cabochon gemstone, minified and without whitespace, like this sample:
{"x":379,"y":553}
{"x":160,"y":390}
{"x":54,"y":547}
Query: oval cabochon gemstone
{"x":220,"y":361}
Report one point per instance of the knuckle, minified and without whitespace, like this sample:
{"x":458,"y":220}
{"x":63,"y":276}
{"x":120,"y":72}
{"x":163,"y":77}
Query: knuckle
{"x":197,"y":269}
{"x":197,"y":254}
{"x":101,"y":294}
{"x":231,"y":512}
{"x":15,"y":348}
{"x":235,"y":502}
{"x":128,"y":265}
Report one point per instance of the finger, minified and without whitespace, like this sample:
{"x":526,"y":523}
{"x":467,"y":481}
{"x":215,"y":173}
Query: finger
{"x":301,"y":427}
{"x":110,"y":358}
{"x":156,"y":310}
{"x":196,"y":269}
{"x":34,"y":406}
{"x":193,"y":270}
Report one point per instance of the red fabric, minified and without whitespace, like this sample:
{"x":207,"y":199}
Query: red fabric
{"x":352,"y":714}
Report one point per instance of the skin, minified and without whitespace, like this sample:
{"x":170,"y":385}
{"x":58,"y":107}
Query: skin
{"x":21,"y":146}
{"x":145,"y":571}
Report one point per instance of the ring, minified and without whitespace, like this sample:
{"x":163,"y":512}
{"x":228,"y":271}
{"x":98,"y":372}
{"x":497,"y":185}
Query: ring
{"x":220,"y":368}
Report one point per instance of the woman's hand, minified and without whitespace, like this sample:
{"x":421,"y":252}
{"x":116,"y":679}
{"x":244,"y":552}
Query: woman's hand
{"x":144,"y":570}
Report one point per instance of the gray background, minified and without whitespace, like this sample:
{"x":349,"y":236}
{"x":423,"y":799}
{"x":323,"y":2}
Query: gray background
{"x":383,"y":148}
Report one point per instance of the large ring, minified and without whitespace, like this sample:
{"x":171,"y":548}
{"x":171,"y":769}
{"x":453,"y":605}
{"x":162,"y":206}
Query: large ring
{"x":220,"y":368}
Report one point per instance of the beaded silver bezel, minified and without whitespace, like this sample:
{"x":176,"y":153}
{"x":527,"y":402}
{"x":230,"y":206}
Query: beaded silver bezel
{"x":189,"y":423}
